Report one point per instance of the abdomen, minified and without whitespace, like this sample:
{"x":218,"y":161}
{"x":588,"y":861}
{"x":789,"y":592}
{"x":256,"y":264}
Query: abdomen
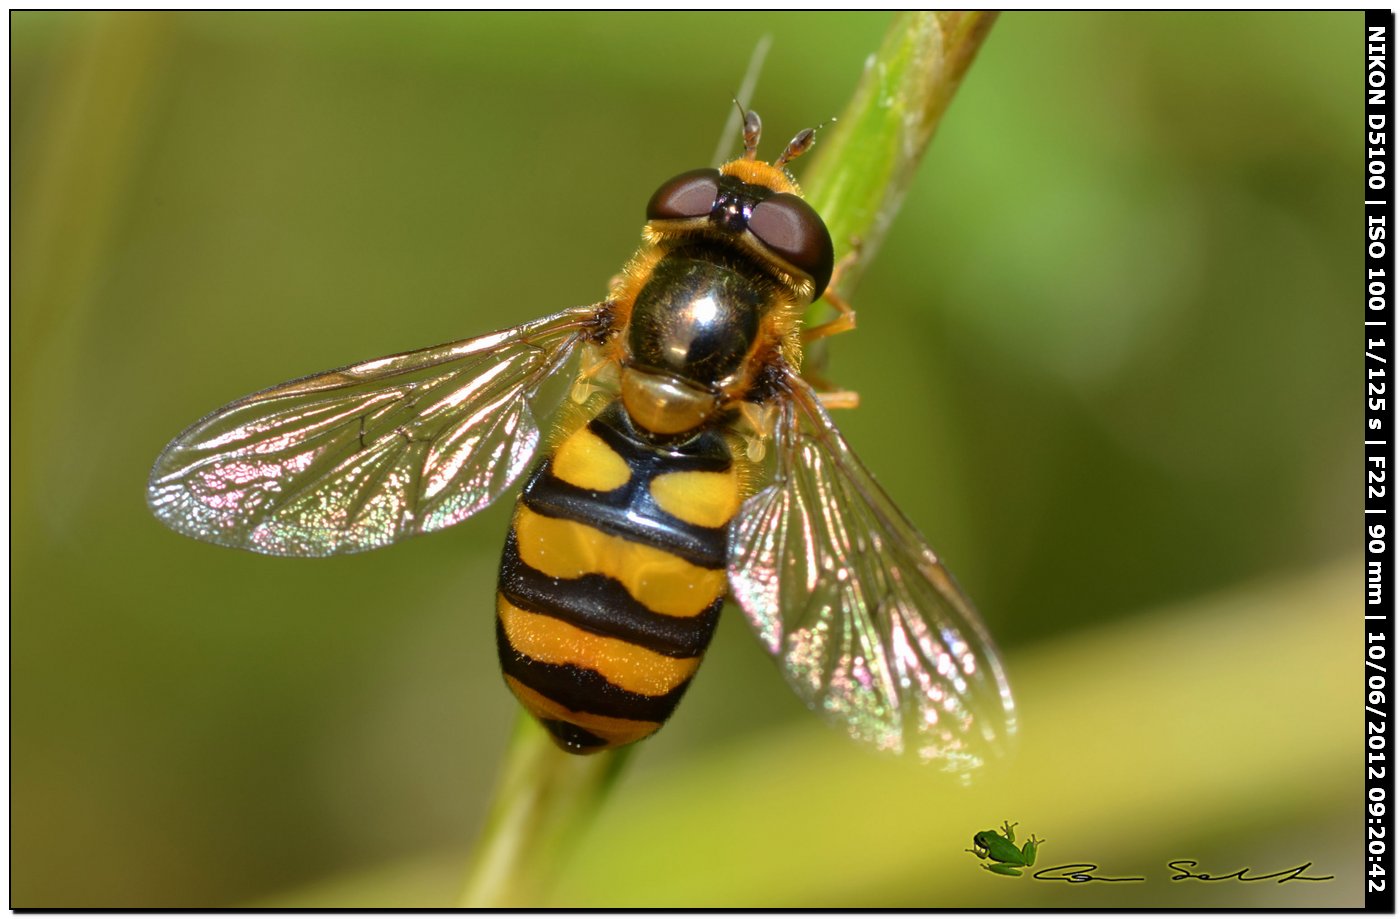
{"x":612,"y":580}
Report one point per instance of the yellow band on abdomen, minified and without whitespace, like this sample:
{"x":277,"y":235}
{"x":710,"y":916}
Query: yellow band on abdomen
{"x":627,"y":666}
{"x":585,"y":461}
{"x":655,"y":578}
{"x":705,"y":499}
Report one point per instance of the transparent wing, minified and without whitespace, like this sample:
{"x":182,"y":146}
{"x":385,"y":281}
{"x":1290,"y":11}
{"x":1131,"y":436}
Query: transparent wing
{"x":357,"y":458}
{"x":866,"y":624}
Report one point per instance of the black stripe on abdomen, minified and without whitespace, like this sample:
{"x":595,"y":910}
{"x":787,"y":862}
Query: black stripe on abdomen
{"x":583,"y":690}
{"x":629,"y":512}
{"x":603,"y":606}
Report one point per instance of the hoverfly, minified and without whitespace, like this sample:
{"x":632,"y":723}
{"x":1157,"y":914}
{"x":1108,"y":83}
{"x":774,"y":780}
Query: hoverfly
{"x":691,"y":460}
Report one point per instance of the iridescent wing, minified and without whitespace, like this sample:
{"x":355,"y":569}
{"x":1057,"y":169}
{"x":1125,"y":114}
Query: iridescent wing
{"x":867,"y":625}
{"x":360,"y":457}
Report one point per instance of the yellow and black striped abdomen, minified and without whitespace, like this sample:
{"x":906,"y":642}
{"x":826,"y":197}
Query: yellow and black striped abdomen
{"x":612,"y":579}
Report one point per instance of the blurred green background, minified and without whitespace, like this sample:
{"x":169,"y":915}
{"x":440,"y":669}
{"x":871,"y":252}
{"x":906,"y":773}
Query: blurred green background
{"x":1108,"y":361}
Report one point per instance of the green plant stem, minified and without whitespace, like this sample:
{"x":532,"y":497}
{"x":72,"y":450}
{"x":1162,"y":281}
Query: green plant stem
{"x":856,"y":181}
{"x":863,"y":165}
{"x":543,"y":798}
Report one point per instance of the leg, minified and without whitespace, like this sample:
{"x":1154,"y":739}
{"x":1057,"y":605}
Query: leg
{"x":845,"y":319}
{"x":839,"y":398}
{"x":1008,"y":870}
{"x":830,"y":396}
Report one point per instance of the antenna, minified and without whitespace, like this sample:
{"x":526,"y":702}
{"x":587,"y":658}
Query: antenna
{"x":744,"y":96}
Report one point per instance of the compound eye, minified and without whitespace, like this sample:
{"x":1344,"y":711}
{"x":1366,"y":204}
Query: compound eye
{"x":690,"y":194}
{"x":787,"y":225}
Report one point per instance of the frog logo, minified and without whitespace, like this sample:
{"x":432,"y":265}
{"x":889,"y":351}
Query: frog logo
{"x":1000,"y":849}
